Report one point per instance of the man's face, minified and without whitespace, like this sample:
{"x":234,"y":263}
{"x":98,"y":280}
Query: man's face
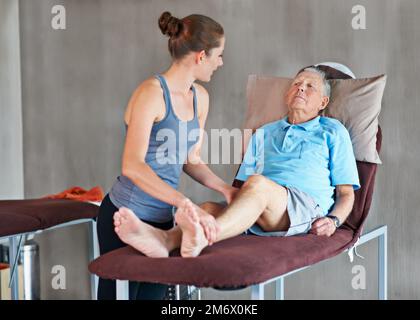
{"x":306,"y":94}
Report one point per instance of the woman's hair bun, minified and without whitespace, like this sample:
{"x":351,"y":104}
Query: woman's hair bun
{"x":169,"y":25}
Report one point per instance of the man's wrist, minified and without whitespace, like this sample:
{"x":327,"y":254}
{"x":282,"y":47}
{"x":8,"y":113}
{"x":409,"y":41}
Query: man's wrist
{"x":336,"y":221}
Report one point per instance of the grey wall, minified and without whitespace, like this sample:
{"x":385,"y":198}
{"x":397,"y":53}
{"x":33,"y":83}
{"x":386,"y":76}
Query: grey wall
{"x":11,"y":156}
{"x":76,"y":83}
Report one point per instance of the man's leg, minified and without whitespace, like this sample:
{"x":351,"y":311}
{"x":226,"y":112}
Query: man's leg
{"x":151,"y":241}
{"x":259,"y":200}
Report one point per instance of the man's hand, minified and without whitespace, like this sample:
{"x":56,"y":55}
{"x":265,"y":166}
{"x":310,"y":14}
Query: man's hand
{"x":230,"y":193}
{"x":323,"y":227}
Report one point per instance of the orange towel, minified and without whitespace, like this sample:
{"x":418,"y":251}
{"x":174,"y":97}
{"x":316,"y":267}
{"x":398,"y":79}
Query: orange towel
{"x":4,"y":266}
{"x":77,"y":193}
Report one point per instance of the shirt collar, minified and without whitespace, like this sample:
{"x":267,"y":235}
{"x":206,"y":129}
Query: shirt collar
{"x":307,"y":126}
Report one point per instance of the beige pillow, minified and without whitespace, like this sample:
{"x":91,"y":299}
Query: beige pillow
{"x":265,"y":97}
{"x":354,"y":102}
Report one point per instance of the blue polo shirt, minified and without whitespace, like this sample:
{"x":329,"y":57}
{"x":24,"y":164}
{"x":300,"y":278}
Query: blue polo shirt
{"x":314,"y":157}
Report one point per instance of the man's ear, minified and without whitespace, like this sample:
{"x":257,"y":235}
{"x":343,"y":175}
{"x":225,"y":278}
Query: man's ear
{"x":199,"y":56}
{"x":324,"y":102}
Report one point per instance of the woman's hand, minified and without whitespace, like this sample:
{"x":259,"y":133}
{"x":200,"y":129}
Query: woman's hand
{"x":209,"y":224}
{"x":230,"y":193}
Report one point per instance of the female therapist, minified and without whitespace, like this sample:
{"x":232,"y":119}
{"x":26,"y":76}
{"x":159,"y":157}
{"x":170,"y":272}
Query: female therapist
{"x":163,"y":121}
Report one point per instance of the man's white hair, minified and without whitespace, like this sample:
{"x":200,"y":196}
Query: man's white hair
{"x":327,"y":87}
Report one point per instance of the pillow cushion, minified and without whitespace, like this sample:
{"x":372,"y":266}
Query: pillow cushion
{"x":356,"y":103}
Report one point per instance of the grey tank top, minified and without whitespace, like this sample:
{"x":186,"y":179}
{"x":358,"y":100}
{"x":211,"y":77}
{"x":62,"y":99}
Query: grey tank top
{"x":171,"y":140}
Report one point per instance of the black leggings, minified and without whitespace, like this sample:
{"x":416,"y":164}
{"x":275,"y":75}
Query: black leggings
{"x":108,"y":241}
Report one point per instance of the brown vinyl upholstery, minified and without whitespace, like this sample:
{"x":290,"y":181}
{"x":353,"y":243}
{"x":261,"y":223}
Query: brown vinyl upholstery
{"x":17,"y":223}
{"x":19,"y":216}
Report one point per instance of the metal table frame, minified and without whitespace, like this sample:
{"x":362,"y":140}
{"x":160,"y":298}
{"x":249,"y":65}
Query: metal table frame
{"x":16,"y":241}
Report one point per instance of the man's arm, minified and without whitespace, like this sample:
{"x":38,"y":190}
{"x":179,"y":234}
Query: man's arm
{"x":344,"y":200}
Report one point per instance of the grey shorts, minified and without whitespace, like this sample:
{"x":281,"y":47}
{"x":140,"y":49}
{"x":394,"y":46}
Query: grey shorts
{"x":302,"y":210}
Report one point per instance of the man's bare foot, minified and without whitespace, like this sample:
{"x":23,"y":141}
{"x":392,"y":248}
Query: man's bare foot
{"x":193,"y":238}
{"x":147,"y":239}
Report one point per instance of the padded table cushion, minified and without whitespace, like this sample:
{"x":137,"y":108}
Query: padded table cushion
{"x":17,"y":223}
{"x":18,"y":216}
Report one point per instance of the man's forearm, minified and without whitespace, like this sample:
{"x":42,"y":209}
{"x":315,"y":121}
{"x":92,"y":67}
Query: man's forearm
{"x":343,"y":206}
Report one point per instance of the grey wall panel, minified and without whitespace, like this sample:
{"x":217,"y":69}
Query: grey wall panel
{"x":11,"y":149}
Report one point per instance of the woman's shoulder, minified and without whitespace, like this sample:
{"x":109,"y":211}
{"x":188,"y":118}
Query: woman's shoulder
{"x":148,"y":94}
{"x":149,"y":91}
{"x":150,"y":87}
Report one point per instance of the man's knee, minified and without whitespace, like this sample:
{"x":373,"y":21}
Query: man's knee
{"x":256,"y":181}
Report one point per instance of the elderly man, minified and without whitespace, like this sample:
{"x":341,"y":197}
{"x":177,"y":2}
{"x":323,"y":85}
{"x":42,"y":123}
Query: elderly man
{"x":291,"y":170}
